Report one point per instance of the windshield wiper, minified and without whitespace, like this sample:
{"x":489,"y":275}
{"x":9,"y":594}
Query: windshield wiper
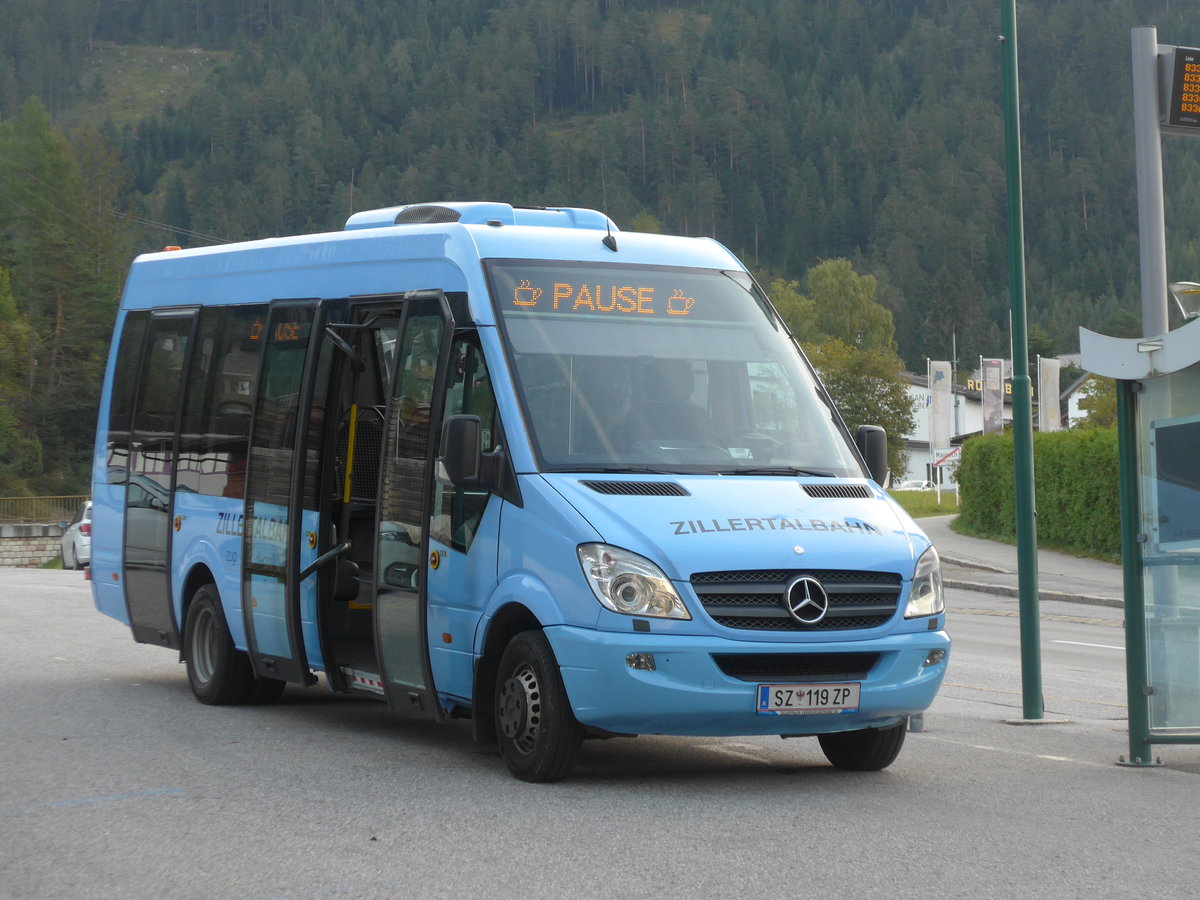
{"x":776,"y":470}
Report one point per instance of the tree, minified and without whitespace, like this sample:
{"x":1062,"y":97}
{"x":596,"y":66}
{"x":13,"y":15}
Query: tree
{"x":20,"y":452}
{"x":796,"y":310}
{"x":847,"y":308}
{"x":63,"y":290}
{"x":864,"y":386}
{"x":1099,"y":401}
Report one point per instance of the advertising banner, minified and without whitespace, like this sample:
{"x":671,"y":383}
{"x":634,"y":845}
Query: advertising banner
{"x":1049,"y":417}
{"x":941,"y":404}
{"x":992,"y":395}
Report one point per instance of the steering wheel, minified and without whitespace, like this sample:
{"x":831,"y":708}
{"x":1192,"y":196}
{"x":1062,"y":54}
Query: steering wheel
{"x":763,"y":446}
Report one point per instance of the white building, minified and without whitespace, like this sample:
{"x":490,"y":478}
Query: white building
{"x":967,"y":420}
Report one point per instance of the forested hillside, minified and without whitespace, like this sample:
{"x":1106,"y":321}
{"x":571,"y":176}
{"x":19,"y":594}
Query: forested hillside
{"x":791,"y":130}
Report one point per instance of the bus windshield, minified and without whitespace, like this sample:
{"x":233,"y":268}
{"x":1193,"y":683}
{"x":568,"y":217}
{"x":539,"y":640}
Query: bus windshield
{"x":655,"y":369}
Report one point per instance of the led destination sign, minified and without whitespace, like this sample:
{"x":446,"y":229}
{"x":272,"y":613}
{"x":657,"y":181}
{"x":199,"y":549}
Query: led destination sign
{"x":598,"y":297}
{"x":1185,"y":89}
{"x":620,"y":293}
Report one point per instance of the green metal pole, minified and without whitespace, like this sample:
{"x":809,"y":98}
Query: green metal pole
{"x":1136,"y":671}
{"x":1022,"y":399}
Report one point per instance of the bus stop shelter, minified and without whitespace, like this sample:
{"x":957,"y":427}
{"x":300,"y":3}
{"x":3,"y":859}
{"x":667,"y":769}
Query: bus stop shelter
{"x":1158,"y":424}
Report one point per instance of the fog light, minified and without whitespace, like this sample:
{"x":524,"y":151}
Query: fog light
{"x":935,"y":657}
{"x":642,"y":661}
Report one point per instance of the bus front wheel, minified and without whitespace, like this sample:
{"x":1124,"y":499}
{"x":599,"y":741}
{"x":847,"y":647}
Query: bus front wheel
{"x":867,"y":750}
{"x":538,"y":735}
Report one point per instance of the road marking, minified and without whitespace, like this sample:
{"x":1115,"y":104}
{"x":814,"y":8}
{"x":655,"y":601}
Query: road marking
{"x":1019,"y":753}
{"x":1083,"y":644}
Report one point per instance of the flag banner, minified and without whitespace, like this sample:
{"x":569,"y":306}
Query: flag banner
{"x":992,"y":395}
{"x":1049,"y":416}
{"x":941,"y":404}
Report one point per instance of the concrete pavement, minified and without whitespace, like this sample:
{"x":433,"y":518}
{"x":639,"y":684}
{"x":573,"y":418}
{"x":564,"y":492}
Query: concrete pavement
{"x":989,"y":566}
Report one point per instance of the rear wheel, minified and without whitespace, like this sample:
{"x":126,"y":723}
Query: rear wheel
{"x":219,"y":673}
{"x":70,"y":561}
{"x":868,"y":750}
{"x":538,"y":735}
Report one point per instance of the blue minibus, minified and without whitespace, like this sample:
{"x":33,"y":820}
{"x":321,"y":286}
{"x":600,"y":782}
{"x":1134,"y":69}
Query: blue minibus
{"x":508,"y":464}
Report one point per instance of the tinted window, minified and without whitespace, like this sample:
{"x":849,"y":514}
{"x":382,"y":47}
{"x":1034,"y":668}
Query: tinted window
{"x":219,"y":403}
{"x":129,"y":357}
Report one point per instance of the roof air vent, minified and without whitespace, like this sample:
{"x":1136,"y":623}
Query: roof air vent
{"x":427,"y":215}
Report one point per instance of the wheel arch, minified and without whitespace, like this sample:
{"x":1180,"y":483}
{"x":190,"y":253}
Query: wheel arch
{"x":509,"y":620}
{"x":197,"y":576}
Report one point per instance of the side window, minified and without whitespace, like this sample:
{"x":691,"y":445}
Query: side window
{"x":152,"y":449}
{"x":124,"y":384}
{"x":220,"y":397}
{"x":456,"y":512}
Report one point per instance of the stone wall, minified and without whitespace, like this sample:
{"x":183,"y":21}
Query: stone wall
{"x":29,"y":545}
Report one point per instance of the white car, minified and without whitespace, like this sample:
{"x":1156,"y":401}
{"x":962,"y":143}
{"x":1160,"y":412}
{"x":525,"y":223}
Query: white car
{"x":77,"y":538}
{"x":915,"y":486}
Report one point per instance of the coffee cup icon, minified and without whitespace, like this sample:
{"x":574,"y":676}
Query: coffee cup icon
{"x":526,"y":294}
{"x":679,"y":305}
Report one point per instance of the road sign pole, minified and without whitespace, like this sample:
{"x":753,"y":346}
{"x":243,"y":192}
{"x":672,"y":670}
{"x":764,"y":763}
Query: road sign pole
{"x":1022,"y":401}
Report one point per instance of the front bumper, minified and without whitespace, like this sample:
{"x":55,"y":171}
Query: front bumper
{"x":689,"y":694}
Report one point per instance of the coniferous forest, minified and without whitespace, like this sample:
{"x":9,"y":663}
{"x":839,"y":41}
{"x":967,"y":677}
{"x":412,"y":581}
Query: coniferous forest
{"x":794,"y":131}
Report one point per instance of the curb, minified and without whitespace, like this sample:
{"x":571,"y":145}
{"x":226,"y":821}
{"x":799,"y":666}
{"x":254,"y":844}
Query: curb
{"x":1005,"y":590}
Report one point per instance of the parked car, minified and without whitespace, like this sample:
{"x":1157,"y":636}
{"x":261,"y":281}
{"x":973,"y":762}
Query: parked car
{"x":915,"y":486}
{"x":77,"y":538}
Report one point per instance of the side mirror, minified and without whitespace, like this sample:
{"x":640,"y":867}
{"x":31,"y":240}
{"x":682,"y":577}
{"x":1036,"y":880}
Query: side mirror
{"x":872,"y":444}
{"x":462,"y":450}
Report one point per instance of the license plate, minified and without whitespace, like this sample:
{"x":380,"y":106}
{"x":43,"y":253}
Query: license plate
{"x":807,"y":699}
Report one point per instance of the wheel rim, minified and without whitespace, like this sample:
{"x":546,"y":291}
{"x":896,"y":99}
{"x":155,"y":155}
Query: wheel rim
{"x":203,"y":646}
{"x":520,"y":711}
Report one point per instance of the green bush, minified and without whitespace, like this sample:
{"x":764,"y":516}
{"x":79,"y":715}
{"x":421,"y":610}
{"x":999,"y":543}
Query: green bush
{"x":1077,"y":493}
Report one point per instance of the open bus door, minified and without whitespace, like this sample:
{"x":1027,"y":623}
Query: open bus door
{"x":148,"y":477}
{"x":282,"y":480}
{"x":402,"y":559}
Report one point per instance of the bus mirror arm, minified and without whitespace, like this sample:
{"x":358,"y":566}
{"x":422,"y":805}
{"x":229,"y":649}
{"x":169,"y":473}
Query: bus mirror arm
{"x":872,"y":444}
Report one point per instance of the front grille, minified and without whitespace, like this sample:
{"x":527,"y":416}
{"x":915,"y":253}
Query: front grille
{"x":756,"y":599}
{"x":796,"y":666}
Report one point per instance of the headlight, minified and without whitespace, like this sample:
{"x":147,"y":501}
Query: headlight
{"x":630,"y":584}
{"x":925,"y":598}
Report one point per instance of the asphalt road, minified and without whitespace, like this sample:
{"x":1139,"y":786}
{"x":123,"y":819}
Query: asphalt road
{"x":114,"y":783}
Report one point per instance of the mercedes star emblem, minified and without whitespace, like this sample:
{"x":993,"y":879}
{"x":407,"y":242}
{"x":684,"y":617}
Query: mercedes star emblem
{"x":806,"y":600}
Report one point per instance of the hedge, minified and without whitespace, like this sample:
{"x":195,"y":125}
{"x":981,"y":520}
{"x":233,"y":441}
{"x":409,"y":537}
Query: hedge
{"x":1077,"y":495}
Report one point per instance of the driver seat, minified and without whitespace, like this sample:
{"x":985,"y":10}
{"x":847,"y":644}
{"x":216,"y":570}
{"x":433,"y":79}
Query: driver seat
{"x":665,"y":410}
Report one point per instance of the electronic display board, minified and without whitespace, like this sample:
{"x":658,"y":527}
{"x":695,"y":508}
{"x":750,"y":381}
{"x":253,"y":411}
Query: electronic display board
{"x":1184,"y":109}
{"x":1176,"y":482}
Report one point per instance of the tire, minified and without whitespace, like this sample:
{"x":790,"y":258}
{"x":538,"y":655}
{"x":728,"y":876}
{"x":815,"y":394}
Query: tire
{"x":218,"y":672}
{"x":868,"y":750}
{"x":69,"y":559}
{"x":537,"y":732}
{"x":266,"y":691}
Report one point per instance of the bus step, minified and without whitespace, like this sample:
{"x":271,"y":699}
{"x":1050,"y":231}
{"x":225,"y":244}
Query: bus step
{"x":363,"y":681}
